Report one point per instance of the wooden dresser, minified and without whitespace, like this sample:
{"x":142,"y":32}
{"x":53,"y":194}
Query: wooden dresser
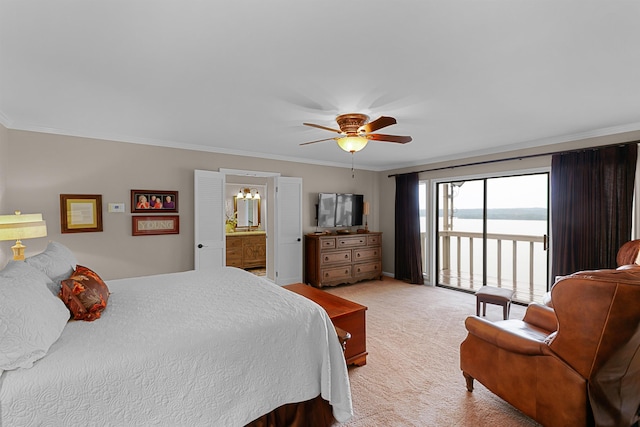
{"x":247,"y":250}
{"x":332,"y":259}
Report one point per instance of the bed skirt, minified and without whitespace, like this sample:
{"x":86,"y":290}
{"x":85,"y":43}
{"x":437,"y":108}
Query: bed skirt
{"x":310,"y":413}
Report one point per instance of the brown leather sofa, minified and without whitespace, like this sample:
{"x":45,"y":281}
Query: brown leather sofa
{"x":577,"y":364}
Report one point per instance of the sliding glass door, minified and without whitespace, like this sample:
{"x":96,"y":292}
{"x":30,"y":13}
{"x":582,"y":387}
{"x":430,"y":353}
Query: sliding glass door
{"x":493,"y":231}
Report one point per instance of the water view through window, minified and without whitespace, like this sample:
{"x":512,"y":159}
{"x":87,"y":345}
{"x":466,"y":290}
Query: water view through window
{"x":511,"y":251}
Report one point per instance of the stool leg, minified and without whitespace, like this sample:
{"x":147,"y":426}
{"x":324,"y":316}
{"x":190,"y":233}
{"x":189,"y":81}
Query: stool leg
{"x":484,"y":309}
{"x":505,"y":310}
{"x":477,"y":306}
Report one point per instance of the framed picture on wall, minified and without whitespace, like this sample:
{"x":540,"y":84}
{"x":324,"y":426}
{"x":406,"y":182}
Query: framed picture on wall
{"x":152,"y":225}
{"x":80,"y":213}
{"x":154,"y":201}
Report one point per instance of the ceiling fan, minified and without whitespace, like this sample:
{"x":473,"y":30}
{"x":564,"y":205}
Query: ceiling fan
{"x":355,"y":131}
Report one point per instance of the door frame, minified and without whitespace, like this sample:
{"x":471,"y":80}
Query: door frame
{"x":432,"y":219}
{"x":271,"y":201}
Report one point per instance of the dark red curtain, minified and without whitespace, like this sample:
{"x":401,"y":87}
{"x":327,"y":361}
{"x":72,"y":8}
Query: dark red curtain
{"x":408,"y":253}
{"x":591,"y":207}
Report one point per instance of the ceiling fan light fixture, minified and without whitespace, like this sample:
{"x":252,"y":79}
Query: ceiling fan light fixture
{"x":352,"y":144}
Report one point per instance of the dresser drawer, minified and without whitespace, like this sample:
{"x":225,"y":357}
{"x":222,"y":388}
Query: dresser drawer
{"x":350,"y":242}
{"x":364,"y":254}
{"x":328,"y":243}
{"x":335,"y":257}
{"x":366,"y":269}
{"x":336,"y":273}
{"x":373,"y":240}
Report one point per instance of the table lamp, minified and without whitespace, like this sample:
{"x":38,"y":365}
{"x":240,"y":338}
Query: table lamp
{"x":17,"y":227}
{"x":365,"y":212}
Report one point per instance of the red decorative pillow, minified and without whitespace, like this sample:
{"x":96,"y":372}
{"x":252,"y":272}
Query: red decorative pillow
{"x":85,"y":294}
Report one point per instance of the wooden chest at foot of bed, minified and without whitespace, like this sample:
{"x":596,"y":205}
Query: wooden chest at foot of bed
{"x":344,"y":314}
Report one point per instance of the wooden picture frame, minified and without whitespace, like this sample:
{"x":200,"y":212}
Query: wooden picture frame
{"x":80,"y":213}
{"x":144,"y":201}
{"x":154,"y":225}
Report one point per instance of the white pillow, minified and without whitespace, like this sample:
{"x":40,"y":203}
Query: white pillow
{"x":31,"y":319}
{"x":57,"y":262}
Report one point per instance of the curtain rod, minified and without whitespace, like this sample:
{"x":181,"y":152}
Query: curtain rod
{"x":485,"y":162}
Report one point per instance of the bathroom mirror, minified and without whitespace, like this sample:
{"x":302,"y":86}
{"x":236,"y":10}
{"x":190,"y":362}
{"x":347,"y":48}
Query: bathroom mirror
{"x":248,"y":212}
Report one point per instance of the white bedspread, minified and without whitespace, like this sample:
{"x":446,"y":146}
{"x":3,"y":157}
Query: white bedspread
{"x":194,"y":348}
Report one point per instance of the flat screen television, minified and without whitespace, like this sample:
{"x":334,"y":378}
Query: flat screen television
{"x":339,"y":209}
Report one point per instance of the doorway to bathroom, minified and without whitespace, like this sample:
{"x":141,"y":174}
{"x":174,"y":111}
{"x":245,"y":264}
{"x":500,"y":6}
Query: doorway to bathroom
{"x":282,"y":222}
{"x":246,"y":216}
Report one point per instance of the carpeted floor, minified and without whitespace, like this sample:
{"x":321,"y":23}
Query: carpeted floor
{"x":412,"y":376}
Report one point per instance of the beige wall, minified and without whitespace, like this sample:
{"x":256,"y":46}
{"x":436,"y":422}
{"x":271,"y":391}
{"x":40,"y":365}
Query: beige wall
{"x":43,"y":166}
{"x":387,"y":185}
{"x":36,"y":168}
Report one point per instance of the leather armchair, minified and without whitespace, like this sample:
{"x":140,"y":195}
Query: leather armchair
{"x":629,"y":253}
{"x":577,"y":364}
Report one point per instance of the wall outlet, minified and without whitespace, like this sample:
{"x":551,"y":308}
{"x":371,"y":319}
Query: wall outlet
{"x":116,"y":207}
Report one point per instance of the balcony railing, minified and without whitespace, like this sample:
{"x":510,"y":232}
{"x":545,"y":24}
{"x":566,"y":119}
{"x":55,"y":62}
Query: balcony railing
{"x":514,"y":261}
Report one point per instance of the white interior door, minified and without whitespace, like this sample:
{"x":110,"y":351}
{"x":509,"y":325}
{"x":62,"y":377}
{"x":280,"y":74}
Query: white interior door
{"x":210,"y":251}
{"x":288,"y":230}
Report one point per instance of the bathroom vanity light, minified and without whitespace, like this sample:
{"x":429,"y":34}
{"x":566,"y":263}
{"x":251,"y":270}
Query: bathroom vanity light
{"x":248,"y":194}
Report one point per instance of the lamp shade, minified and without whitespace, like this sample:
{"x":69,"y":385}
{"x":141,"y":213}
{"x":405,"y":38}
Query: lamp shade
{"x":352,"y":144}
{"x":18,"y":226}
{"x":365,"y":208}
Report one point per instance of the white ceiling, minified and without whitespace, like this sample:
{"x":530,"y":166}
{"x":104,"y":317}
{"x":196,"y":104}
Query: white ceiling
{"x":461,"y":77}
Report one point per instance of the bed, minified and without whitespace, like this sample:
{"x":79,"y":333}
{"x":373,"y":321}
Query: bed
{"x":221,"y":348}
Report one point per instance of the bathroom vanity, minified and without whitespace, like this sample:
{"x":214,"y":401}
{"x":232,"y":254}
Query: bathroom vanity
{"x":247,"y":249}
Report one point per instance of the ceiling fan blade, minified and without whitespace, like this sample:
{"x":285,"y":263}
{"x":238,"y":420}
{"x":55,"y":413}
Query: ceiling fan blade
{"x":322,"y":127}
{"x":390,"y":138}
{"x":319,"y":140}
{"x":379,"y":123}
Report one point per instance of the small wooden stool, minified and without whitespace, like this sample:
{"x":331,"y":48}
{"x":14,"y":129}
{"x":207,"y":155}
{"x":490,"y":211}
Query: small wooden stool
{"x":490,"y":295}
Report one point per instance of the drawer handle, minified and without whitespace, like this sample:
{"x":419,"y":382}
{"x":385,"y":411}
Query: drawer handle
{"x":346,"y":272}
{"x":326,"y":258}
{"x":346,"y":256}
{"x":326,"y":274}
{"x":358,"y":270}
{"x":358,"y":255}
